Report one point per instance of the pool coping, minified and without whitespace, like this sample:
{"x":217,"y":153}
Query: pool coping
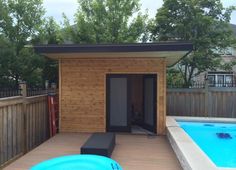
{"x":190,"y":156}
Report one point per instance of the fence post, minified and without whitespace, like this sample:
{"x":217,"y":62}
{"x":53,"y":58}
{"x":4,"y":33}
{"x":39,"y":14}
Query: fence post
{"x":206,"y":98}
{"x":23,"y":88}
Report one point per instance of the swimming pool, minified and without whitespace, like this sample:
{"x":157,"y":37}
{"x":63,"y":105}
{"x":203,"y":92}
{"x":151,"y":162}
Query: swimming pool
{"x":204,"y":153}
{"x":217,"y":140}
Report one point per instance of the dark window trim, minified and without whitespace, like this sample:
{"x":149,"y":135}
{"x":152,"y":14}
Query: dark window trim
{"x":219,"y":72}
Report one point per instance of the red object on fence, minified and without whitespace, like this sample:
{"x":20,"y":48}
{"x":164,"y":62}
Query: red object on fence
{"x":53,"y":113}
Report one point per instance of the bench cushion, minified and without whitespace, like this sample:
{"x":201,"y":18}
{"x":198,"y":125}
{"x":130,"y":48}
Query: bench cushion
{"x":99,"y":144}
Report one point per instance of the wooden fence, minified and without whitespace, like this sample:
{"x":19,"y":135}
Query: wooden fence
{"x":206,"y":102}
{"x":23,"y":125}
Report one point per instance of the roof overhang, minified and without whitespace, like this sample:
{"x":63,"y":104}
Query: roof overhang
{"x":172,"y":51}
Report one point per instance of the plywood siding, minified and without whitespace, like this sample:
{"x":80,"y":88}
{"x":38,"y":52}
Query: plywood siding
{"x":83,"y":90}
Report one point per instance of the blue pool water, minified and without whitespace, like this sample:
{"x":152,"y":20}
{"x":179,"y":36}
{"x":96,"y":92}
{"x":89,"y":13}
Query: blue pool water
{"x":217,"y":140}
{"x":78,"y":162}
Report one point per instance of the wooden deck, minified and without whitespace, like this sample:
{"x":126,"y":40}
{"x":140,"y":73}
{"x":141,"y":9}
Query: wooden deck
{"x":133,"y":152}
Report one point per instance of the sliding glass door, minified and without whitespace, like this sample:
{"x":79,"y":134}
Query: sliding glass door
{"x":117,"y":103}
{"x":149,"y":102}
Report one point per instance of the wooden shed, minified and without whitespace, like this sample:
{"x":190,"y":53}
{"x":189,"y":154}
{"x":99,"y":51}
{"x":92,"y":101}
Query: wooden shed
{"x":113,"y":87}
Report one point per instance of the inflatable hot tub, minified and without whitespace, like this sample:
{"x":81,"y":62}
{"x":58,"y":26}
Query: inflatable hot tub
{"x":78,"y":162}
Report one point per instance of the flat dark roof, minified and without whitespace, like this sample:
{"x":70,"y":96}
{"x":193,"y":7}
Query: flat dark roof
{"x":138,"y":47}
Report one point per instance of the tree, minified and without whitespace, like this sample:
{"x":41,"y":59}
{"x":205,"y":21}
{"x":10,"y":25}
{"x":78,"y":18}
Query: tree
{"x":203,"y":22}
{"x":52,"y":32}
{"x":5,"y":50}
{"x":20,"y":22}
{"x":107,"y":21}
{"x":52,"y":35}
{"x":174,"y":78}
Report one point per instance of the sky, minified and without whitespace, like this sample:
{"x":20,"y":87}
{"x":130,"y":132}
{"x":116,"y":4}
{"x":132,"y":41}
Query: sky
{"x":55,"y":8}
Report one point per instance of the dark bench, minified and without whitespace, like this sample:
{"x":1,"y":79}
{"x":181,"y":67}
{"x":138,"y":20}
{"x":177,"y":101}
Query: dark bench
{"x":99,"y":144}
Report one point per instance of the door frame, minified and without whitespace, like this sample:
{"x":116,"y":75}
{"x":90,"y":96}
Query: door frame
{"x":155,"y":88}
{"x":107,"y":101}
{"x":115,"y":128}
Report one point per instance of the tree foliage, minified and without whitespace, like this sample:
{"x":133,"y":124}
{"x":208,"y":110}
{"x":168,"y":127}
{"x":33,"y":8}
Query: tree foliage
{"x":107,"y":21}
{"x":20,"y":22}
{"x":203,"y":22}
{"x":174,"y":78}
{"x":52,"y":32}
{"x":52,"y":35}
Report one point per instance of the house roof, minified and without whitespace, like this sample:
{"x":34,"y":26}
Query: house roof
{"x":172,"y":51}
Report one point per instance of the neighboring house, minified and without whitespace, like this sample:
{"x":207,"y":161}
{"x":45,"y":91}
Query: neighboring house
{"x":221,"y":78}
{"x":113,"y":87}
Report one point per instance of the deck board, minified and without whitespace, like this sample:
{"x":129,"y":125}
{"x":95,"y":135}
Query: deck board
{"x":133,"y":152}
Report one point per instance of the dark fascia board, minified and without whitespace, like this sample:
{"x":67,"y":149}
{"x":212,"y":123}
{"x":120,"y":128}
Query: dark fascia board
{"x":220,"y":72}
{"x":138,"y":47}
